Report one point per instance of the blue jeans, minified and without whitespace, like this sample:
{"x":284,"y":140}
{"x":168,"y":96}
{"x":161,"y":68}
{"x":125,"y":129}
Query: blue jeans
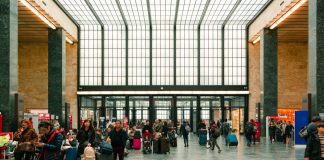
{"x":248,"y":139}
{"x":185,"y":139}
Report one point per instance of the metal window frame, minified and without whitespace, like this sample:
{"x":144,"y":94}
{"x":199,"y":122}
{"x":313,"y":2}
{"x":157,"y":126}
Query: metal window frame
{"x":241,"y":87}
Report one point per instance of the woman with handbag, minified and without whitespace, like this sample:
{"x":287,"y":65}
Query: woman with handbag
{"x":26,"y":137}
{"x":85,"y":136}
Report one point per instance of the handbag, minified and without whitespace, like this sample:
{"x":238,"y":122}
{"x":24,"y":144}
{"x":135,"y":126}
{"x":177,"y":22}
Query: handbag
{"x":26,"y":147}
{"x":105,"y":148}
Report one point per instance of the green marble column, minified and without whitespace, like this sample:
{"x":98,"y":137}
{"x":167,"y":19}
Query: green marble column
{"x":56,"y":72}
{"x":268,"y":74}
{"x":316,"y":55}
{"x":8,"y":61}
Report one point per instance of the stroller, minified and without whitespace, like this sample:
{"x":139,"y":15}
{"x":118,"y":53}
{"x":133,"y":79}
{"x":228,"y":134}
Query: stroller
{"x":147,"y":137}
{"x":172,"y":137}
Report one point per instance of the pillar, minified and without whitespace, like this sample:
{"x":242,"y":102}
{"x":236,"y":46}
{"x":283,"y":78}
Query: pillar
{"x":316,"y":55}
{"x":268,"y":74}
{"x":8,"y":62}
{"x":56,"y":72}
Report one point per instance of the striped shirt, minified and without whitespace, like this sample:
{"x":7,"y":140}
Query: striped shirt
{"x":322,"y":145}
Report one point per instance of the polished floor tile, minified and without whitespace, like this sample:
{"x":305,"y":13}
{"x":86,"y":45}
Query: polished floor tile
{"x":260,"y":151}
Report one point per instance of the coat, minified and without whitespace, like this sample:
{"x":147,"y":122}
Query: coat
{"x":52,"y":147}
{"x":123,"y":135}
{"x":313,"y":148}
{"x":183,"y":130}
{"x":84,"y":137}
{"x":28,"y":135}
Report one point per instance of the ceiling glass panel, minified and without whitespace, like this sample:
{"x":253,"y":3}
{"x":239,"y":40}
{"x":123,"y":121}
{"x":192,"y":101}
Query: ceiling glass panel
{"x":218,"y":11}
{"x":163,"y":11}
{"x":246,"y":10}
{"x":190,"y":11}
{"x":135,"y":11}
{"x":108,"y":11}
{"x":80,"y":11}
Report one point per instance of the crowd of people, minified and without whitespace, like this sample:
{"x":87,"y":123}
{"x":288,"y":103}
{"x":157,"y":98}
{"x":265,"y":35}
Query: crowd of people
{"x":53,"y":142}
{"x":281,"y":131}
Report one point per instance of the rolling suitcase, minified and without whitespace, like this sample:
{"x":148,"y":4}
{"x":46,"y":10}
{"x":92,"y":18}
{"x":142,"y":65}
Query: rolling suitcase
{"x":165,"y":146}
{"x":232,"y":140}
{"x":156,"y":146}
{"x":202,"y":139}
{"x":137,"y":144}
{"x":71,"y":153}
{"x":173,"y":142}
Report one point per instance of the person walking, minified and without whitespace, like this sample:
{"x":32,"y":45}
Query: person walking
{"x":316,"y":120}
{"x":118,"y":140}
{"x":254,"y":131}
{"x":214,"y":134}
{"x":248,"y":132}
{"x":288,"y":132}
{"x":26,"y":137}
{"x":85,"y":136}
{"x":185,"y":129}
{"x":272,"y":131}
{"x":226,"y":130}
{"x":283,"y":131}
{"x":315,"y":143}
{"x":50,"y":143}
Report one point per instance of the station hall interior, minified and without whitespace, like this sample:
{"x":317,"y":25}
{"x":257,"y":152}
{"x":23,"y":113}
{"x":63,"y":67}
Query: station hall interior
{"x":179,"y":60}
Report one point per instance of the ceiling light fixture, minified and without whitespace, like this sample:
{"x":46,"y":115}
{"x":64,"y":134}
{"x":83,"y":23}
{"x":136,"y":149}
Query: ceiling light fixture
{"x":68,"y":40}
{"x":256,"y":40}
{"x":30,"y":7}
{"x":287,"y":14}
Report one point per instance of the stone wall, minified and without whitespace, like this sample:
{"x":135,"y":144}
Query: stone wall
{"x":33,"y":76}
{"x":254,"y":78}
{"x":32,"y":73}
{"x":71,"y":80}
{"x":292,"y":75}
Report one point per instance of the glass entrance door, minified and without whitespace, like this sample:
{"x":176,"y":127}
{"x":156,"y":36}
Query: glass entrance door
{"x":138,"y":108}
{"x":90,"y":108}
{"x":115,"y":107}
{"x":210,"y":109}
{"x":234,"y":112}
{"x":162,"y":105}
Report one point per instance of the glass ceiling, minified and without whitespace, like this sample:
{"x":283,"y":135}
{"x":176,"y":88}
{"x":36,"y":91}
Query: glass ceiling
{"x":163,"y":12}
{"x":163,"y":42}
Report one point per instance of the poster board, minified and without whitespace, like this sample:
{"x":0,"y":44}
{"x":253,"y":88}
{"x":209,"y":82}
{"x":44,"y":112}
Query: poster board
{"x":301,"y":120}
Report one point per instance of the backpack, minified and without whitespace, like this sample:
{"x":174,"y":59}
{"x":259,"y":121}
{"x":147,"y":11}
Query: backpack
{"x":215,"y":131}
{"x":89,"y":154}
{"x":303,"y":132}
{"x":249,"y":128}
{"x":187,"y":128}
{"x":226,"y":128}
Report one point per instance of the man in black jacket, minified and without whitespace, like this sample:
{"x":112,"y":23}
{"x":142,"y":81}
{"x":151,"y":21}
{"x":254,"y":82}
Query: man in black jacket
{"x":118,"y":140}
{"x":315,"y":140}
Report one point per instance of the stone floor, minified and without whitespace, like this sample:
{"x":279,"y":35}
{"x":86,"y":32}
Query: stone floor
{"x":260,"y":151}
